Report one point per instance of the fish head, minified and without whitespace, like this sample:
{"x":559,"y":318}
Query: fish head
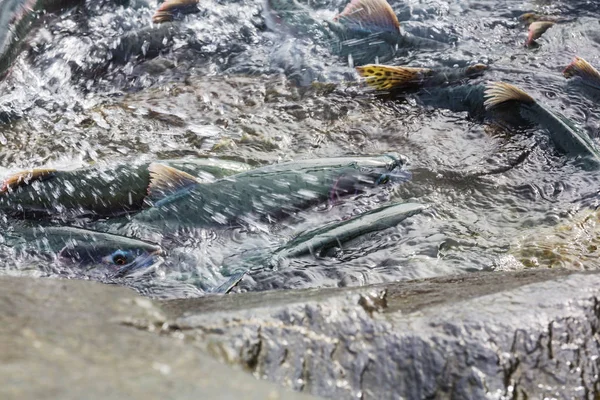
{"x":110,"y":255}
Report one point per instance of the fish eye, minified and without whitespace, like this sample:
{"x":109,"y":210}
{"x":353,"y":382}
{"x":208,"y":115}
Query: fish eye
{"x":383,"y":179}
{"x":121,"y":258}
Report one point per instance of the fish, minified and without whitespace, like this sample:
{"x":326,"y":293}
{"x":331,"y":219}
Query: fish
{"x":562,"y":132}
{"x":536,"y":30}
{"x":95,"y":192}
{"x":170,"y":9}
{"x":17,"y":19}
{"x":530,"y":18}
{"x":585,"y":77}
{"x":389,"y":77}
{"x":442,"y":88}
{"x":266,"y":194}
{"x":84,"y":251}
{"x":318,"y":241}
{"x":365,"y":31}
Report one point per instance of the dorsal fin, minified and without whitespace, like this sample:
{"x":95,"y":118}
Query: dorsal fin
{"x":386,"y":77}
{"x":165,"y":181}
{"x":24,"y":178}
{"x":537,"y":29}
{"x":369,"y":15}
{"x":583,"y":69}
{"x":497,"y":93}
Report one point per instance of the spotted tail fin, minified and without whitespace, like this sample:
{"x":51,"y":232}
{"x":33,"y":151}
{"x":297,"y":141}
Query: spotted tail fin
{"x":386,"y":77}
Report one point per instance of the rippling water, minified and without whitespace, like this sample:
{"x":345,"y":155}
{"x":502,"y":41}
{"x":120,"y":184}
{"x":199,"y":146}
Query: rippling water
{"x":222,"y":83}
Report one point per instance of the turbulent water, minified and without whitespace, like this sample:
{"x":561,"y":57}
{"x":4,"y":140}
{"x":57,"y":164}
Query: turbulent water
{"x":223,"y":83}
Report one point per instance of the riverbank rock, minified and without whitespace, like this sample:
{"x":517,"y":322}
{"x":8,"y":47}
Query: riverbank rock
{"x":63,"y":339}
{"x":518,"y":335}
{"x":524,"y":335}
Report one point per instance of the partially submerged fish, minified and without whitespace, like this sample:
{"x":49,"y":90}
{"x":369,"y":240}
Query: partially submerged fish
{"x":365,"y":31}
{"x":93,"y":191}
{"x":170,"y":9}
{"x":585,"y":76}
{"x":320,"y":240}
{"x":336,"y":234}
{"x":84,"y":251}
{"x":17,"y":18}
{"x":536,"y":30}
{"x":389,"y":77}
{"x":530,"y":18}
{"x":563,"y":132}
{"x":265,"y":193}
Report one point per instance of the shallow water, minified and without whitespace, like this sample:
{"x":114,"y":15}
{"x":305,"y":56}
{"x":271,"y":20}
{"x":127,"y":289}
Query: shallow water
{"x":226,"y":85}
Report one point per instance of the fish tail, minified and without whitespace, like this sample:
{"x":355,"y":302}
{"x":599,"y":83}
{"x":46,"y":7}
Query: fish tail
{"x":387,"y":77}
{"x":369,"y":15}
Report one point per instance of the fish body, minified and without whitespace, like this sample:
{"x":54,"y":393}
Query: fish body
{"x":319,"y":241}
{"x":93,"y":191}
{"x":365,"y":31}
{"x":336,"y":234}
{"x":563,"y":133}
{"x":89,"y":252}
{"x":265,"y":193}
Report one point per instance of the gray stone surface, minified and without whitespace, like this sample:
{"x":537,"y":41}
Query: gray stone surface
{"x":525,"y":335}
{"x":64,"y":340}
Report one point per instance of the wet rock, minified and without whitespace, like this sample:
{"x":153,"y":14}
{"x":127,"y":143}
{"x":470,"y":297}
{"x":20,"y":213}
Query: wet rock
{"x":528,"y":334}
{"x":64,"y":339}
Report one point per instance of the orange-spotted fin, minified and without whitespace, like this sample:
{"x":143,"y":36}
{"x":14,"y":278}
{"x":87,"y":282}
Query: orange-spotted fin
{"x":497,"y":93}
{"x":537,"y":29}
{"x":583,"y":69}
{"x":166,"y":181}
{"x":24,"y":178}
{"x":169,"y":8}
{"x":369,"y":15}
{"x":386,"y":77}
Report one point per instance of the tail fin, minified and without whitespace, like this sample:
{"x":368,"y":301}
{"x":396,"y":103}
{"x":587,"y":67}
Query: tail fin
{"x":581,"y":68}
{"x":369,"y":15}
{"x":386,"y":77}
{"x":497,"y":93}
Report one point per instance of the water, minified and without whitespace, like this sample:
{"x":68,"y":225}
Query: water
{"x":224,"y":84}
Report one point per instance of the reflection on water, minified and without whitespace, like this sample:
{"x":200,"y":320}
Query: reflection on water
{"x":99,"y":84}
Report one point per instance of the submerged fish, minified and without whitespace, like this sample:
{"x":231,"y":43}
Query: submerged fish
{"x":94,"y":191}
{"x":17,"y":18}
{"x":562,"y":132}
{"x":265,"y":193}
{"x":441,"y":88}
{"x":89,"y":252}
{"x":365,"y":31}
{"x":320,"y":240}
{"x":585,"y":77}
